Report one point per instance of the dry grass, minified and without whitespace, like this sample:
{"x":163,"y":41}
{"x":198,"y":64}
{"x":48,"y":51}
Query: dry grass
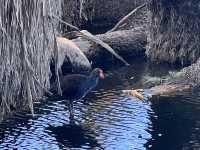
{"x":26,"y":44}
{"x":174,"y":31}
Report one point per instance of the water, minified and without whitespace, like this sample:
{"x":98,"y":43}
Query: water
{"x":106,"y":119}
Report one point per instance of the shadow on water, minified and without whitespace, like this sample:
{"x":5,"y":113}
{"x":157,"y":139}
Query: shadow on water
{"x":74,"y":136}
{"x":107,"y":119}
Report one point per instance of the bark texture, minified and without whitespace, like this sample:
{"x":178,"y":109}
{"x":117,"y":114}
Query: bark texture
{"x":127,"y":43}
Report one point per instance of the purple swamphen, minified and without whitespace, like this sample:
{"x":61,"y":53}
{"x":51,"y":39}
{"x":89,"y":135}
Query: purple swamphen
{"x":76,"y":86}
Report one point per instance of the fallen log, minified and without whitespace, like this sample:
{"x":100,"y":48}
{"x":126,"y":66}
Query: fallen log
{"x":169,"y":89}
{"x":74,"y":54}
{"x":126,"y":43}
{"x":92,"y":38}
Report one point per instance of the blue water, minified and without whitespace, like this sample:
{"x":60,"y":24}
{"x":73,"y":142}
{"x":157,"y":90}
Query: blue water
{"x":107,"y":119}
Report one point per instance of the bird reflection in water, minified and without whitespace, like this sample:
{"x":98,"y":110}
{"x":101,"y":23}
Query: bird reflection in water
{"x":74,"y":136}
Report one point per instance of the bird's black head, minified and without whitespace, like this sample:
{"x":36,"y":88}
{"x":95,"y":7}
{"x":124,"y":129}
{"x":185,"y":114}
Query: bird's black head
{"x":97,"y":73}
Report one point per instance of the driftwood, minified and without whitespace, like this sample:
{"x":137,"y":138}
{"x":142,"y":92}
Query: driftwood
{"x":135,"y":93}
{"x":169,"y":89}
{"x":123,"y":41}
{"x":126,"y":43}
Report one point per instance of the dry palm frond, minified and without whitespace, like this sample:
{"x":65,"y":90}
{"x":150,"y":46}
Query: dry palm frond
{"x":68,"y":49}
{"x":26,"y":46}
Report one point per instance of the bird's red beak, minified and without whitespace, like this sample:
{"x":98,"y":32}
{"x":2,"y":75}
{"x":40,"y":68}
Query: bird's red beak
{"x":101,"y":74}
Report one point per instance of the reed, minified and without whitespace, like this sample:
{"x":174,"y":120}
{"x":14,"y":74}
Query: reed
{"x":26,"y":49}
{"x":174,"y":31}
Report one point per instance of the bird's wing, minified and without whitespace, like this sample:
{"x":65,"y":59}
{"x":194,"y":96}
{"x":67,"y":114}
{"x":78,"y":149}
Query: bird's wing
{"x":71,"y":85}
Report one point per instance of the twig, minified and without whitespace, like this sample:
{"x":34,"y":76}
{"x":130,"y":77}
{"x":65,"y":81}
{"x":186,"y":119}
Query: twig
{"x":81,"y":8}
{"x":126,"y":17}
{"x":87,"y":35}
{"x":73,"y":27}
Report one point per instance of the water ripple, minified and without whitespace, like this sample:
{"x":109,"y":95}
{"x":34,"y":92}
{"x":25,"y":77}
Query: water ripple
{"x":105,"y":119}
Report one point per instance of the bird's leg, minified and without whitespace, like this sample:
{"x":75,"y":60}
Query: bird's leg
{"x":71,"y":111}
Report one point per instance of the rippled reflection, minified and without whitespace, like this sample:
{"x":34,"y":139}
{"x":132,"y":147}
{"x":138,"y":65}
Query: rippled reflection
{"x":105,"y":119}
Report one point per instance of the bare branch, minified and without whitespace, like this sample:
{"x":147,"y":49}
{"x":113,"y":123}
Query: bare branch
{"x":81,"y":8}
{"x":126,"y":17}
{"x":87,"y":35}
{"x":68,"y":24}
